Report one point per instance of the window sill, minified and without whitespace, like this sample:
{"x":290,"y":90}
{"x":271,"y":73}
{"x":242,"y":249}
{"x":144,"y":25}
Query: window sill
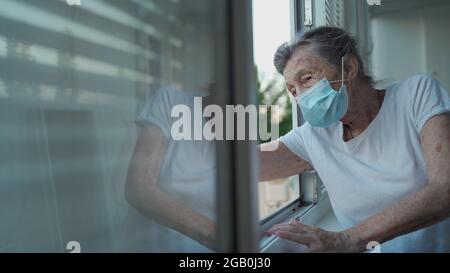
{"x":320,"y":215}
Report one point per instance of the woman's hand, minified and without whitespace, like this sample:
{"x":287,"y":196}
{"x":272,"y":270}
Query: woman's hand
{"x":315,"y":239}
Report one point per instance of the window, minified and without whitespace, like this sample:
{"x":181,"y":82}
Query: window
{"x":274,"y":196}
{"x":74,"y":81}
{"x":277,"y":197}
{"x":268,"y":35}
{"x":84,"y":88}
{"x":334,"y":12}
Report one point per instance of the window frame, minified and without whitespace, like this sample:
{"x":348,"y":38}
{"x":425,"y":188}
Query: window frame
{"x":296,"y":23}
{"x":238,"y":228}
{"x":237,"y":202}
{"x":313,"y":201}
{"x":297,"y":16}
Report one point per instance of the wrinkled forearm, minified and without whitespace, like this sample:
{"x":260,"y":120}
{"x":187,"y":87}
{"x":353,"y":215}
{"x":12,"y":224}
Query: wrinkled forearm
{"x":419,"y":210}
{"x":277,"y":161}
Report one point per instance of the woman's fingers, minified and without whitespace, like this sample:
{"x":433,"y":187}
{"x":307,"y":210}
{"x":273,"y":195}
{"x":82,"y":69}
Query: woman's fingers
{"x":275,"y":227}
{"x":295,"y":227}
{"x":316,"y":239}
{"x":285,"y":227}
{"x":296,"y":237}
{"x":297,"y":223}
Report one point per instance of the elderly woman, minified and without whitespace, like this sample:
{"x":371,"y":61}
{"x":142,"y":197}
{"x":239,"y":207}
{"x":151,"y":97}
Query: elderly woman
{"x":383,"y":155}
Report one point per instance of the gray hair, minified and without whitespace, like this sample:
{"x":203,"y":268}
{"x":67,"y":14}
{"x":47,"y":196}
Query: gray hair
{"x":331,"y":43}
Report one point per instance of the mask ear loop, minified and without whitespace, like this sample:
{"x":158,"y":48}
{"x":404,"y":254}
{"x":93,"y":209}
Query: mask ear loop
{"x":342,"y":80}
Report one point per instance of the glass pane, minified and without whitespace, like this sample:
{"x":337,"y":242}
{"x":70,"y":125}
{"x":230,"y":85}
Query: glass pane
{"x":273,"y":195}
{"x":87,"y":157}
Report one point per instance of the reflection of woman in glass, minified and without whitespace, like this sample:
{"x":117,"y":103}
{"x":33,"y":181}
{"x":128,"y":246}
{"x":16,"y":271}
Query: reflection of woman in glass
{"x":172,"y":182}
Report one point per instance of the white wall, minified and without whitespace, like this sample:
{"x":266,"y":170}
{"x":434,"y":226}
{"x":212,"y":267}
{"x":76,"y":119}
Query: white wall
{"x":437,"y":40}
{"x":411,"y":41}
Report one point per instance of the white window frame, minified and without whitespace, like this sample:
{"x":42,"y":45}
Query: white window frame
{"x":239,"y":229}
{"x":314,"y":203}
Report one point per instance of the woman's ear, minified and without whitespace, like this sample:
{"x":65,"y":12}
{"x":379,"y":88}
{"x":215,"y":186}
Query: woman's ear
{"x":351,"y":67}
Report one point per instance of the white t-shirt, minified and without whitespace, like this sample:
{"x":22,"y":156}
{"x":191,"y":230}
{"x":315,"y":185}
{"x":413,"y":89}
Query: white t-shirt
{"x":188,"y":171}
{"x":382,"y":165}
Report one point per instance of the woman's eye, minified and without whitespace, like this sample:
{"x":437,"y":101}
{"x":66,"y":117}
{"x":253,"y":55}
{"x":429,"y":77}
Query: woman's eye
{"x":306,"y":79}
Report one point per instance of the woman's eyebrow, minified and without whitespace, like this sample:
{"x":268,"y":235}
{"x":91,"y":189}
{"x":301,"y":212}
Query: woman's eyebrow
{"x":297,"y":73}
{"x":300,"y":73}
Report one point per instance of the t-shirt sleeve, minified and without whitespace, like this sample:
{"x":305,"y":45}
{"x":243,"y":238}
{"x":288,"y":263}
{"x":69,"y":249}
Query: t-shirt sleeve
{"x":157,"y":111}
{"x":295,"y":142}
{"x":430,"y":99}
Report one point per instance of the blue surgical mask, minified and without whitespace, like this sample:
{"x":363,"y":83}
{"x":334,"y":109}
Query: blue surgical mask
{"x":321,"y":105}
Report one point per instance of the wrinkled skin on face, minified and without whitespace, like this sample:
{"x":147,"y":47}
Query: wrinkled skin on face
{"x":306,"y":67}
